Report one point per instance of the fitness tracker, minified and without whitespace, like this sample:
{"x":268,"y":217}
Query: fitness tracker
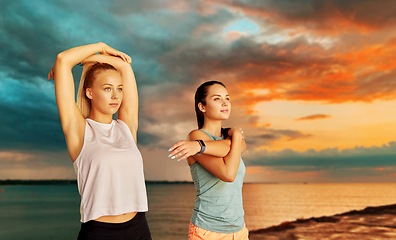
{"x":203,"y":147}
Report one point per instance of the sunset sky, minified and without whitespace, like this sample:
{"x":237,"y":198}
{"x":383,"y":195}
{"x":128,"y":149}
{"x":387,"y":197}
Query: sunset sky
{"x":312,"y":83}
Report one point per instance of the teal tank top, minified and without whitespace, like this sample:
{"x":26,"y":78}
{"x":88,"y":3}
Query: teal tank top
{"x":218,"y":205}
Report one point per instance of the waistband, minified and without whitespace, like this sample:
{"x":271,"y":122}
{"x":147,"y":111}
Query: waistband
{"x":137,"y":218}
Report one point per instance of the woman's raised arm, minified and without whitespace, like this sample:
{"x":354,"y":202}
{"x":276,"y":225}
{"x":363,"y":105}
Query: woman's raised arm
{"x":73,"y":122}
{"x":128,"y":111}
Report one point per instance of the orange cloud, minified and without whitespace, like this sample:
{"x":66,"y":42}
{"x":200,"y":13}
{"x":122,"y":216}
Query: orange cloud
{"x":311,"y":74}
{"x":357,"y":65}
{"x":313,"y":117}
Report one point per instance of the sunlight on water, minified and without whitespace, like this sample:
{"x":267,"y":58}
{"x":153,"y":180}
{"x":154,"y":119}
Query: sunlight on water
{"x":271,"y":204}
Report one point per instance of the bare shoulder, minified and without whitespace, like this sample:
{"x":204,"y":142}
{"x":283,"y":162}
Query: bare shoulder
{"x":198,"y":134}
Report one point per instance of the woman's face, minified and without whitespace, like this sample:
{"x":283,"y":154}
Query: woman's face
{"x":106,"y":92}
{"x":218,"y":105}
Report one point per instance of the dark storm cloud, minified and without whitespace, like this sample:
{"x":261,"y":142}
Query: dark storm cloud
{"x":31,"y":35}
{"x":28,"y":42}
{"x":29,"y":117}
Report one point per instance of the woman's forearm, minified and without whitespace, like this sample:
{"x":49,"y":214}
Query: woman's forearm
{"x":75,"y":55}
{"x":233,"y":158}
{"x":116,"y":62}
{"x":218,"y":148}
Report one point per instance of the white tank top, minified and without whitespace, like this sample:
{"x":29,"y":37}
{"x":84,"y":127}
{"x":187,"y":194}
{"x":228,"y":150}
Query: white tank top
{"x":109,"y":171}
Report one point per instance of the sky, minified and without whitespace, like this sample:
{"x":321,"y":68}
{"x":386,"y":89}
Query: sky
{"x":312,"y":82}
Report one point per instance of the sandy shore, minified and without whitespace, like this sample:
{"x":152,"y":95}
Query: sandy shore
{"x":370,"y":223}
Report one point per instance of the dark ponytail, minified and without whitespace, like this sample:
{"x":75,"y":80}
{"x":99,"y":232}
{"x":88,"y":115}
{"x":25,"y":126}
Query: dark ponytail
{"x":200,"y":97}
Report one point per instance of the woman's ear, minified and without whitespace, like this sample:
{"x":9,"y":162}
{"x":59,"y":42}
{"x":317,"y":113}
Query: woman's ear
{"x":201,"y":107}
{"x":88,"y":93}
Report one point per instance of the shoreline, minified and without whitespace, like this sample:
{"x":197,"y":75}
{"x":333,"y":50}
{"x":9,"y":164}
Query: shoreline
{"x":370,"y":223}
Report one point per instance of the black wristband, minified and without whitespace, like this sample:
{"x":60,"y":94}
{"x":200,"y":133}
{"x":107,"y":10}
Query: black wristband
{"x":203,"y":147}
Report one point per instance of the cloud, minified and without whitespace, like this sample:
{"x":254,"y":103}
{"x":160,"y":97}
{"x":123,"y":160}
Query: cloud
{"x":44,"y":172}
{"x":297,"y":67}
{"x":30,"y":119}
{"x":125,"y":7}
{"x":326,"y":159}
{"x":303,"y":71}
{"x":14,"y":156}
{"x":359,"y":164}
{"x":36,"y":164}
{"x":258,"y":137}
{"x":313,"y":117}
{"x":321,"y":17}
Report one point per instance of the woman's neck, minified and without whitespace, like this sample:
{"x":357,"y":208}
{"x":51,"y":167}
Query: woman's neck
{"x":100,"y":117}
{"x":212,"y":127}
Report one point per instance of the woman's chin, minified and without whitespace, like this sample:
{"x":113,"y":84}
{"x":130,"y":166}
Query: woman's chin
{"x":113,"y":111}
{"x":224,"y":118}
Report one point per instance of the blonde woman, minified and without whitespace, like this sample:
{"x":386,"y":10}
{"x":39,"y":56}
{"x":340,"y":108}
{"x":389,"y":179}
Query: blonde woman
{"x":216,"y":166}
{"x":105,"y":156}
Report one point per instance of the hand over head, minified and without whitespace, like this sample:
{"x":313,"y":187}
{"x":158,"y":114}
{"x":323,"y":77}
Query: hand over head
{"x":107,"y":50}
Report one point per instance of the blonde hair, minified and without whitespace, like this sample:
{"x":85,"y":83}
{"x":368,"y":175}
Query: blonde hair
{"x":90,"y":70}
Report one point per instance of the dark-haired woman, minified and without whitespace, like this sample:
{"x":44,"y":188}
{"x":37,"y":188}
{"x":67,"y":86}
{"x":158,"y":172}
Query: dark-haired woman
{"x":216,"y":166}
{"x":107,"y":162}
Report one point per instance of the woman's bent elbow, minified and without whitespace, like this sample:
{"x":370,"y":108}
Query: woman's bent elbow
{"x":226,"y":175}
{"x":229,"y":178}
{"x":60,"y":57}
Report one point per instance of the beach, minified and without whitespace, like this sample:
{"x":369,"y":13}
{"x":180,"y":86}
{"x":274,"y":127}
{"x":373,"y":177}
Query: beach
{"x":369,"y":223}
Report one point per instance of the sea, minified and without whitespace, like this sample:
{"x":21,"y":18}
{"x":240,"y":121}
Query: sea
{"x":33,"y":212}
